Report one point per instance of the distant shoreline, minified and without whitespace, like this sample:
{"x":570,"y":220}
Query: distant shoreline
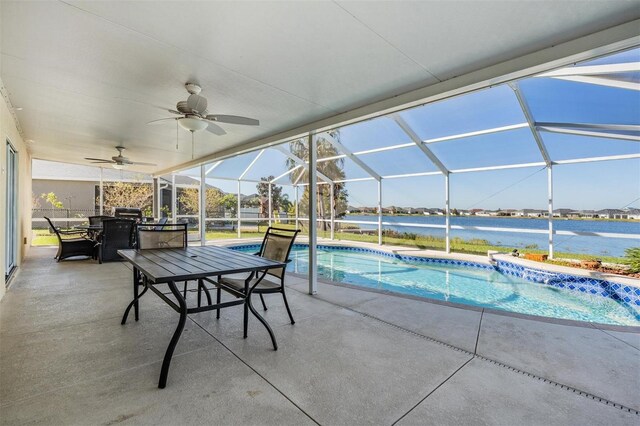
{"x":598,"y":219}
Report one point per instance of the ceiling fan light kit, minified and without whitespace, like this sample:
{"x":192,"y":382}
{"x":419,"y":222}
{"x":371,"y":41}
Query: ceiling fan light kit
{"x":192,"y":124}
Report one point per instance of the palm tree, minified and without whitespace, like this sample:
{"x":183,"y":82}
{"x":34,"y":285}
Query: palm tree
{"x":333,"y":169}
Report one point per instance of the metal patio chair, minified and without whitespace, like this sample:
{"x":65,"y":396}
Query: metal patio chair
{"x":117,"y":234}
{"x":166,"y":235}
{"x":276,"y":245}
{"x":72,"y":243}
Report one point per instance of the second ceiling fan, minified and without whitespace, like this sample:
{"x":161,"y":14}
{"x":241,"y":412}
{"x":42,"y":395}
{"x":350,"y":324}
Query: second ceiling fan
{"x":195,"y":117}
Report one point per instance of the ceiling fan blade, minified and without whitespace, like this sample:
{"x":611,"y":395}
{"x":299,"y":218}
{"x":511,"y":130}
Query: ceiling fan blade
{"x":215,"y":129}
{"x":98,"y":160}
{"x":233,"y":119}
{"x":137,"y":163}
{"x":197,"y":103}
{"x":173,"y":111}
{"x":161,"y":120}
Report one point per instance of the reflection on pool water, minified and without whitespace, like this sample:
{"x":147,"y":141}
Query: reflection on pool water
{"x":466,"y":285}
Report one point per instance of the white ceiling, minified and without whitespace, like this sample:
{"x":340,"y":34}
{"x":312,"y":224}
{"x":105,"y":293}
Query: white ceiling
{"x":89,"y":75}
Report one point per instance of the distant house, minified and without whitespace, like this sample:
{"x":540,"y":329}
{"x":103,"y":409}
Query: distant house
{"x":562,"y":212}
{"x":588,"y":214}
{"x":632,"y":214}
{"x":612,"y":214}
{"x":530,"y":213}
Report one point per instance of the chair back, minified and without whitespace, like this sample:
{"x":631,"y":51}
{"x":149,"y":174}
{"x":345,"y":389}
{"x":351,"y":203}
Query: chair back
{"x":117,"y":234}
{"x":168,"y":235}
{"x":97,"y":220}
{"x":277,"y":246}
{"x":53,"y":228}
{"x":161,"y":222}
{"x":128,"y":213}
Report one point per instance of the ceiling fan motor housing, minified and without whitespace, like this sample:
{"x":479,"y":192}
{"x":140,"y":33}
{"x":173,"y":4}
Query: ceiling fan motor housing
{"x":193,"y":88}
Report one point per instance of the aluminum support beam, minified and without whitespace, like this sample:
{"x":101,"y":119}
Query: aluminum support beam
{"x":531,"y":122}
{"x":251,"y":164}
{"x":447,"y":219}
{"x":174,"y":199}
{"x":101,"y":193}
{"x":203,"y":206}
{"x":418,"y":142}
{"x":333,"y":210}
{"x":596,"y":159}
{"x":313,"y":216}
{"x":288,"y":172}
{"x":380,"y":212}
{"x":238,"y":213}
{"x":299,"y":161}
{"x":270,"y":208}
{"x":550,"y":208}
{"x":341,"y":148}
{"x":155,"y":186}
{"x":295,"y":188}
{"x":588,"y":133}
{"x":213,"y":167}
{"x":478,"y":133}
{"x":593,"y":70}
{"x":602,"y":81}
{"x":591,"y":126}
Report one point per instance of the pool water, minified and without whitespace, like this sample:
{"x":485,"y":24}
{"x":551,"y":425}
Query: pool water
{"x":466,"y":285}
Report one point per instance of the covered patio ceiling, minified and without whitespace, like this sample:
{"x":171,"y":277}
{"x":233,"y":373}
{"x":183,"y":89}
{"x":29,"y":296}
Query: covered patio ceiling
{"x":89,"y":75}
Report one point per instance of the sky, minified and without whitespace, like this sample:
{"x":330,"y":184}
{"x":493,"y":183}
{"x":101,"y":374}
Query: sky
{"x":609,"y":184}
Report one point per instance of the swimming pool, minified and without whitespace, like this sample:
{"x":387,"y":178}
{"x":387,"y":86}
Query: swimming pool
{"x":472,"y":284}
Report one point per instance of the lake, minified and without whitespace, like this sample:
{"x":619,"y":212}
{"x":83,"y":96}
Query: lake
{"x":563,"y":243}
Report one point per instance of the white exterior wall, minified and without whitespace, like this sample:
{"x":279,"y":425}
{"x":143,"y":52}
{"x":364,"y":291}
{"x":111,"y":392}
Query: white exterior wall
{"x":8,"y":130}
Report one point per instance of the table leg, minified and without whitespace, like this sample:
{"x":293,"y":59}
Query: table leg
{"x":136,"y":296}
{"x":164,"y":372}
{"x":257,"y":315}
{"x":133,"y":302}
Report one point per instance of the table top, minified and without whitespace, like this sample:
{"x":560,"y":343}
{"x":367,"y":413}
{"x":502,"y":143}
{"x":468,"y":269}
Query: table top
{"x":184,"y":264}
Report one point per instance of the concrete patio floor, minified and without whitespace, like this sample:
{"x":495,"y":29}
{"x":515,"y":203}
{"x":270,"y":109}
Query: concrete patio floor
{"x":353,"y":357}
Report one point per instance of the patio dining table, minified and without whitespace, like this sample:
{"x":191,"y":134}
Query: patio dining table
{"x":154,"y":267}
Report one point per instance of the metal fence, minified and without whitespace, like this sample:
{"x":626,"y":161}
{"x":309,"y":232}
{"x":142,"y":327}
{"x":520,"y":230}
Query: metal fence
{"x":60,"y":217}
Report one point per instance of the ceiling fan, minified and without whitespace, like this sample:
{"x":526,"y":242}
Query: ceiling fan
{"x":118,"y":162}
{"x":195,"y":117}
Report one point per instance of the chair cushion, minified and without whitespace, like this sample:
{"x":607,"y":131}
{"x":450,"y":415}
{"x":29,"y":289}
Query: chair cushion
{"x":238,"y":283}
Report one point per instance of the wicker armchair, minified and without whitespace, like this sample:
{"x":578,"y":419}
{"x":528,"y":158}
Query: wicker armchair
{"x":72,"y":243}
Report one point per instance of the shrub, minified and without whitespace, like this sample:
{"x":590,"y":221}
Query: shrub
{"x":632,"y":258}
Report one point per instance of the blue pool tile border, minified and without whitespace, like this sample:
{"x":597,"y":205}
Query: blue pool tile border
{"x":593,"y":286}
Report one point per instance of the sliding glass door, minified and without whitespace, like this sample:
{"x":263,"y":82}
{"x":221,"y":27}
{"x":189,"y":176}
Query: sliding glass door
{"x":11,"y":236}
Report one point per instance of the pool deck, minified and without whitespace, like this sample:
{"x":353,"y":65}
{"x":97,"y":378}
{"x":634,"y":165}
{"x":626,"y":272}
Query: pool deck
{"x":353,"y":357}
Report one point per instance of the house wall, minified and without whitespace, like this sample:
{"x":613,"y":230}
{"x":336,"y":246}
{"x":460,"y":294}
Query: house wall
{"x":73,"y":194}
{"x":9,"y":131}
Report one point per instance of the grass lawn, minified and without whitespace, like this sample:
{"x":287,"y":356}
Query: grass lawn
{"x":42,"y":237}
